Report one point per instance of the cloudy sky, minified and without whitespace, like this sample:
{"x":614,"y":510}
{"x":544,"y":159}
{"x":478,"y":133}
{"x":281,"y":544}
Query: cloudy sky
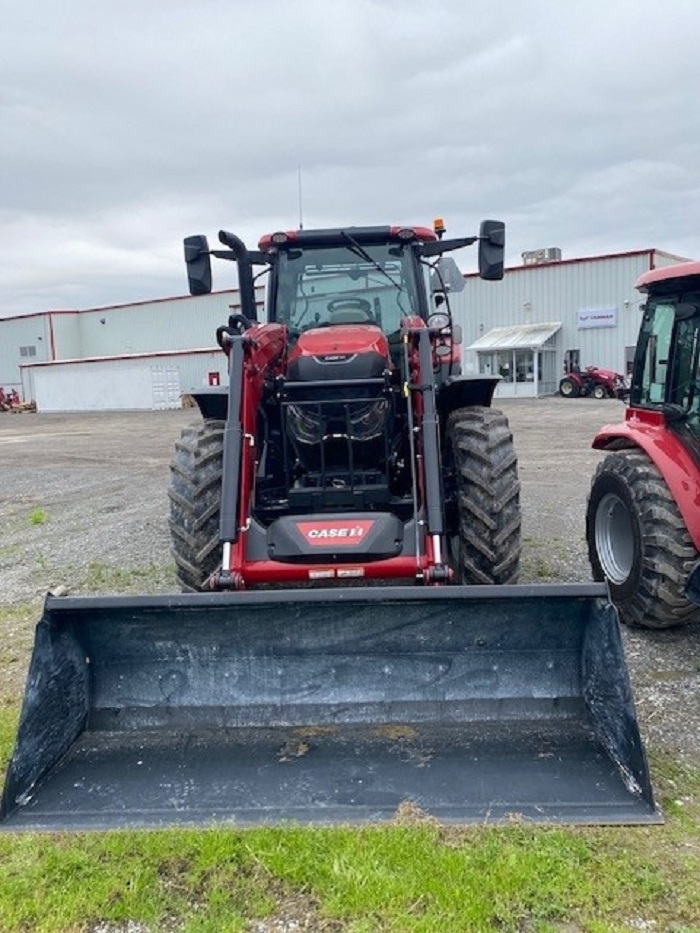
{"x":127,"y":125}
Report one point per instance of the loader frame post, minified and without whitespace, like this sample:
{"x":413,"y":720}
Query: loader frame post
{"x":439,"y":572}
{"x":231,"y":467}
{"x":412,"y":447}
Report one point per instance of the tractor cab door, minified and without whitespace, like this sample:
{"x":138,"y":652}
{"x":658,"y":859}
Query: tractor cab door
{"x":667,"y":363}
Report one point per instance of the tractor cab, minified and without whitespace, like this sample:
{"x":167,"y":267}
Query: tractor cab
{"x":351,"y":283}
{"x":667,"y":362}
{"x":368,"y":276}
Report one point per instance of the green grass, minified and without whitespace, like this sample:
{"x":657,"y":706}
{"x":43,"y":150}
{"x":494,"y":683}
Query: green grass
{"x":22,"y":612}
{"x":101,"y":577}
{"x":38,"y":516}
{"x":397,"y":878}
{"x":9,"y":715}
{"x":537,"y":568}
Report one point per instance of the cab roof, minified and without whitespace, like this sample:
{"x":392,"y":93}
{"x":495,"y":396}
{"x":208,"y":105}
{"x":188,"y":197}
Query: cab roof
{"x":339,"y":236}
{"x":681,"y":270}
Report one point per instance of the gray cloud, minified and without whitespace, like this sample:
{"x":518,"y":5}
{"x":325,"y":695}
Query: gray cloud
{"x":127,"y":126}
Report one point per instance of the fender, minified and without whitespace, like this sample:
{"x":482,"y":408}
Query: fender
{"x":463,"y":391}
{"x":648,"y":431}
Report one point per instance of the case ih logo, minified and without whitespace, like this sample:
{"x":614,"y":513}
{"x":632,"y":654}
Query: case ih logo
{"x":335,"y":533}
{"x":335,"y":357}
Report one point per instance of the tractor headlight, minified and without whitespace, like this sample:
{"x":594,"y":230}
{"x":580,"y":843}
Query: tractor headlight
{"x":305,"y":424}
{"x":359,"y":421}
{"x":367,"y":421}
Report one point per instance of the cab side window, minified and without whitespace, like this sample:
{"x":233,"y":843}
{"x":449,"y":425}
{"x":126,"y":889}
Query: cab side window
{"x":656,"y":348}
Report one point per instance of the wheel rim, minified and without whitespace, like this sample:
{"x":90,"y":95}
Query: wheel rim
{"x":566,"y":388}
{"x":599,"y":392}
{"x":614,"y":539}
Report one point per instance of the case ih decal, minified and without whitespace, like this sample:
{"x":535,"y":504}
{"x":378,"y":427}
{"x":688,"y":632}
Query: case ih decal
{"x":337,"y":533}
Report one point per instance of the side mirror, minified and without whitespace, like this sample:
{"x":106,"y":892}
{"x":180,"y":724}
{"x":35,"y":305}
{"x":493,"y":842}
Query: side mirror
{"x":447,"y":276}
{"x":198,"y":265}
{"x":492,"y":242}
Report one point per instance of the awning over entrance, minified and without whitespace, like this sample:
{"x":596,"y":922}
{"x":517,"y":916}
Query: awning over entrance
{"x":516,"y":336}
{"x":523,"y":355}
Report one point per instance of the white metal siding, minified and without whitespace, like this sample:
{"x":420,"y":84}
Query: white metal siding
{"x":662,"y":259}
{"x":93,"y":387}
{"x":171,"y":324}
{"x":557,"y":292}
{"x":66,"y":335}
{"x":139,"y":383}
{"x":30,"y":331}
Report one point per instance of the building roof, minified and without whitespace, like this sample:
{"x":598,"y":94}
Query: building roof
{"x":516,"y":336}
{"x":578,"y":260}
{"x":129,"y":304}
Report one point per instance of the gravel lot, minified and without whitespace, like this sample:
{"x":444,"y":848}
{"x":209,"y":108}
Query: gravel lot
{"x":83,"y":504}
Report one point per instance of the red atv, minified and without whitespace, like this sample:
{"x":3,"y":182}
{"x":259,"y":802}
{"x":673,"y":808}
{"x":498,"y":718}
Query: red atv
{"x":600,"y":383}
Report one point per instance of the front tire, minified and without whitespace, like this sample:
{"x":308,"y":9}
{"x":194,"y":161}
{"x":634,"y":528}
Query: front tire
{"x":638,"y":542}
{"x":568,"y":388}
{"x":600,"y":391}
{"x":195,"y":503}
{"x":482,"y":474}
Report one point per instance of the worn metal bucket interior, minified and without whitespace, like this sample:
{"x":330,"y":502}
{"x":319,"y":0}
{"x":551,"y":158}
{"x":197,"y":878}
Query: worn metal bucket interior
{"x":474,"y":704}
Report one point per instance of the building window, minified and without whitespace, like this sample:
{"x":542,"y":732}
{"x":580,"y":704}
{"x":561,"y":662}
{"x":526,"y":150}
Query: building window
{"x":27,"y":351}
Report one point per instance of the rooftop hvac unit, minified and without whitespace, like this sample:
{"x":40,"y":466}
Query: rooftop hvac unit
{"x":534,"y":257}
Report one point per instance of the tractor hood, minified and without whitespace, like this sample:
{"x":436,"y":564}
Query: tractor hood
{"x":339,"y":351}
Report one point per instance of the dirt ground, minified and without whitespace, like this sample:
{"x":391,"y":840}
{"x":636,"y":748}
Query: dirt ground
{"x":83,"y":504}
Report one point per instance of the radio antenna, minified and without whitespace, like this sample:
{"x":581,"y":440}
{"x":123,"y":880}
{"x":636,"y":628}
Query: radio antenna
{"x":301,"y":218}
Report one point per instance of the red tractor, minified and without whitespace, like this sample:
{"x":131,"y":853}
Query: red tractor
{"x":8,"y":400}
{"x":600,"y":383}
{"x":347,"y":449}
{"x":352,"y":445}
{"x":643,"y":519}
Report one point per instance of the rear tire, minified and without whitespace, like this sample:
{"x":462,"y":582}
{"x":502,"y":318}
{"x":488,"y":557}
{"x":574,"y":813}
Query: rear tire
{"x":482,"y":469}
{"x":195,"y":503}
{"x":568,"y":388}
{"x":638,"y":542}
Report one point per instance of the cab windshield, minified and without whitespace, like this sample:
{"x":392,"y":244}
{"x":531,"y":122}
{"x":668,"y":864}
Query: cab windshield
{"x":353,"y":284}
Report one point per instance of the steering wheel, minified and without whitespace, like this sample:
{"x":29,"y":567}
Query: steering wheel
{"x":360,"y":305}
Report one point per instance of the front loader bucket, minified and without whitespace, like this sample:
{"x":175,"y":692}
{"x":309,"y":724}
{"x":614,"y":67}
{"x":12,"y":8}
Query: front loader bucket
{"x":325,"y":706}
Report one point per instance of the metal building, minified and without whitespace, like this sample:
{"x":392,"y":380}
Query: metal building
{"x":548,"y":312}
{"x":545,"y":313}
{"x":142,"y":355}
